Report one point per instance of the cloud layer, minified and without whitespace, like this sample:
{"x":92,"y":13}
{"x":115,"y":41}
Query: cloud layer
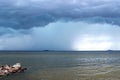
{"x":59,"y":24}
{"x":24,"y":14}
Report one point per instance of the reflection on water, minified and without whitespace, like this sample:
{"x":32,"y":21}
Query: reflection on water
{"x":65,"y":65}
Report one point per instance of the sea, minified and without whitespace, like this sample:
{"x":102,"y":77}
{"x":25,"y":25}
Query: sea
{"x":64,"y":65}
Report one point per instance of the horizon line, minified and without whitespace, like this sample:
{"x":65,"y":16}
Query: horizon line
{"x":55,"y":50}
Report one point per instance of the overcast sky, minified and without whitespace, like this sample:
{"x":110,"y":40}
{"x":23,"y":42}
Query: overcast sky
{"x":59,"y":25}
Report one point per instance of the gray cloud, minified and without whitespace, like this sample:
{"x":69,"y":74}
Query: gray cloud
{"x":59,"y":24}
{"x":24,"y":14}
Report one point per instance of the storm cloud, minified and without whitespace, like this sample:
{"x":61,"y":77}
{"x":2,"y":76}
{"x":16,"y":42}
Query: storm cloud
{"x":25,"y":14}
{"x":59,"y":25}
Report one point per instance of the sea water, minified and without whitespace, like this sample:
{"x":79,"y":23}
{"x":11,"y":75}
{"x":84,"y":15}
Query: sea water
{"x":93,"y":65}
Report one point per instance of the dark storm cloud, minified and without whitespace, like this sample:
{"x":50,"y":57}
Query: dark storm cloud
{"x":25,"y":14}
{"x":59,"y":24}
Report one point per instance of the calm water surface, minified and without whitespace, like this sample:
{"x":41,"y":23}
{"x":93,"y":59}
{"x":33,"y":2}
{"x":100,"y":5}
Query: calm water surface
{"x":64,"y":65}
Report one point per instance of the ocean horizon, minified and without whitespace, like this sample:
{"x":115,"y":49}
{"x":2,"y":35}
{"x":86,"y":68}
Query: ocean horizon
{"x":80,"y":65}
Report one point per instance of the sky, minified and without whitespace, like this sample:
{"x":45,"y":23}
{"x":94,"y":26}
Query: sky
{"x":75,"y":25}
